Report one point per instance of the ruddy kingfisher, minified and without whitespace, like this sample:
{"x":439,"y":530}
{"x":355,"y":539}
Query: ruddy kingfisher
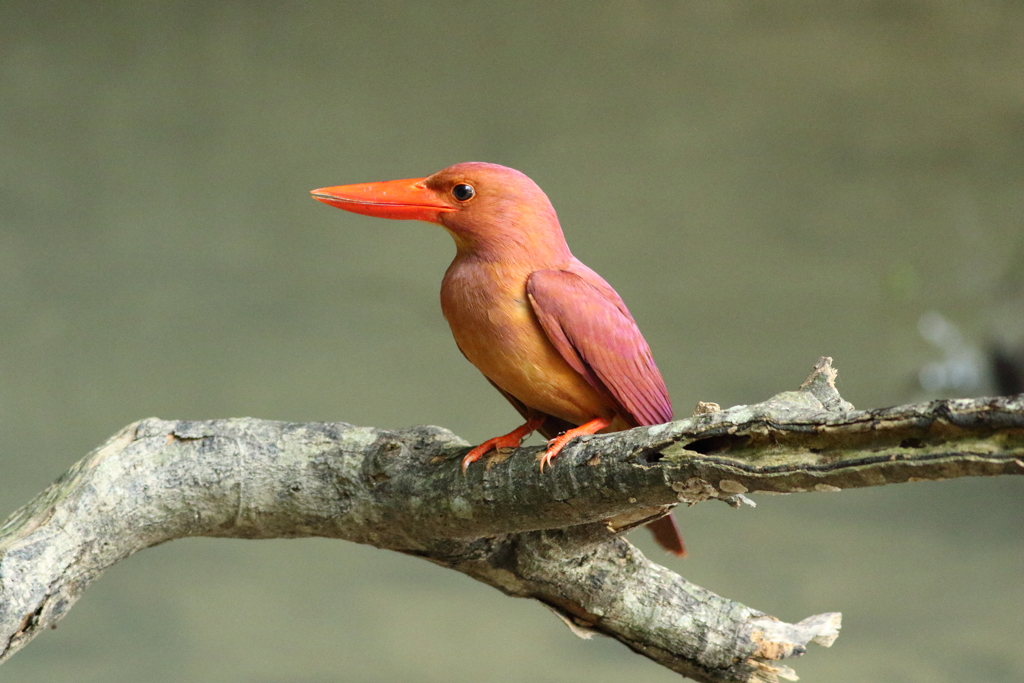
{"x":547,"y":331}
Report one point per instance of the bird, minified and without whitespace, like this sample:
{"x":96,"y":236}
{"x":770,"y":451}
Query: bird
{"x":547,"y":331}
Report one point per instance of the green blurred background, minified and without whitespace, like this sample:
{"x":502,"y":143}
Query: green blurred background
{"x":763,"y":182}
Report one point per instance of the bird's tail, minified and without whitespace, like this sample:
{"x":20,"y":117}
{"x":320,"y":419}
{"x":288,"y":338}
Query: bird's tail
{"x":666,"y":533}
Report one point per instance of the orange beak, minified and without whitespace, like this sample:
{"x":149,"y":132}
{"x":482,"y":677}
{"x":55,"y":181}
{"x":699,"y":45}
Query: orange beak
{"x":404,"y":199}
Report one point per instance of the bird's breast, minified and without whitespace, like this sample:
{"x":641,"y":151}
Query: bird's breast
{"x":494,"y":325}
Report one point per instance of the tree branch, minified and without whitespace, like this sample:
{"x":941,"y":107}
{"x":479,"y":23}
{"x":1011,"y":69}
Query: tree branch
{"x":553,"y":537}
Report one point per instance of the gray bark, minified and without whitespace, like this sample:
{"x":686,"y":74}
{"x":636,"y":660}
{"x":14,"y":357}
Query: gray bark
{"x":553,"y":537}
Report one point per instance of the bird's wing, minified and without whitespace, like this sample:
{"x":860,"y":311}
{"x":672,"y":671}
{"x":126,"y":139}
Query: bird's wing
{"x":593,"y":331}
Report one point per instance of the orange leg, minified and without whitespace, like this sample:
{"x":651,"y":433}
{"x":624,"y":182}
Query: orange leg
{"x":510,"y":440}
{"x":556,"y":444}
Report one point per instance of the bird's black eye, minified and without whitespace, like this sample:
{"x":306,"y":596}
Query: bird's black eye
{"x":463,"y":192}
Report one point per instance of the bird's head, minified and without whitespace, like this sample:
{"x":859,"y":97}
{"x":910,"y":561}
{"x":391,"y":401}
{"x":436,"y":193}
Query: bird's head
{"x":490,"y":210}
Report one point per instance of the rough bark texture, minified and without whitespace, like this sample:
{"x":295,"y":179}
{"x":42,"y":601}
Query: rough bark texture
{"x":553,"y":537}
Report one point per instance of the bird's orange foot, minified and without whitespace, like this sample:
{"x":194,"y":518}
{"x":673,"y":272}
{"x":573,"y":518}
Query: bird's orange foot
{"x":556,"y":444}
{"x":510,"y":440}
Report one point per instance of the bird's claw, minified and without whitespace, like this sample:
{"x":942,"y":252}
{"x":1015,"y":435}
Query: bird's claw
{"x":556,"y":445}
{"x":511,"y":440}
{"x":477,"y":453}
{"x":545,"y":460}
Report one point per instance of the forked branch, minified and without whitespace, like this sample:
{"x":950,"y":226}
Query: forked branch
{"x":554,"y":537}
